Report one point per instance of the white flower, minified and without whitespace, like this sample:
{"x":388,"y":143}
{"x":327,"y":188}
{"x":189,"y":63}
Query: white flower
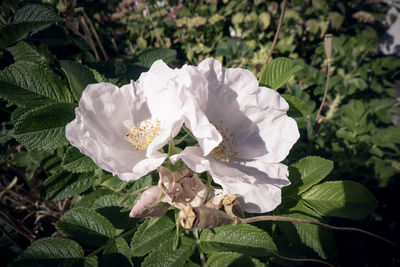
{"x":123,"y":129}
{"x":257,"y":135}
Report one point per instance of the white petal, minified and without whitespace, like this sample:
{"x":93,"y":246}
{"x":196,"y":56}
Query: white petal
{"x":193,"y":157}
{"x":160,"y":87}
{"x":206,"y":134}
{"x":256,"y":115}
{"x":102,"y":120}
{"x":259,"y":184}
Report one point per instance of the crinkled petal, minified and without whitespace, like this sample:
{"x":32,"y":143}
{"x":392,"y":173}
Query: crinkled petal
{"x":206,"y":134}
{"x":102,"y":120}
{"x":259,"y":184}
{"x":256,"y":115}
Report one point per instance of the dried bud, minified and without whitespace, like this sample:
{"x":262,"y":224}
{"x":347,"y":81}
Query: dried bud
{"x":328,"y":45}
{"x":203,"y":217}
{"x":147,"y":199}
{"x":232,"y":206}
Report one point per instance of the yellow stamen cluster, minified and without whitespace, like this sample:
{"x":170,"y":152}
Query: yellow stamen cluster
{"x":143,"y":134}
{"x":226,"y":149}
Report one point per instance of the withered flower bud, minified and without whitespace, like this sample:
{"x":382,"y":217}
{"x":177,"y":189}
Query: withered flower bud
{"x":203,"y":217}
{"x":232,"y":206}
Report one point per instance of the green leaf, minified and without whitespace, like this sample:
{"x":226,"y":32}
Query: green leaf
{"x":241,"y":238}
{"x":74,"y":161}
{"x":147,"y":237}
{"x":344,"y":199}
{"x":113,"y":182}
{"x":278,"y":71}
{"x":121,"y":247}
{"x":143,"y":182}
{"x":88,"y":199}
{"x":22,"y":51}
{"x":43,"y":128}
{"x":50,"y":251}
{"x":31,"y":17}
{"x":147,"y":57}
{"x":30,"y":84}
{"x":297,"y":107}
{"x":32,"y":160}
{"x":86,"y":226}
{"x":317,"y":238}
{"x":164,"y":255}
{"x":79,"y":76}
{"x":64,"y":185}
{"x":232,"y":259}
{"x":305,"y":173}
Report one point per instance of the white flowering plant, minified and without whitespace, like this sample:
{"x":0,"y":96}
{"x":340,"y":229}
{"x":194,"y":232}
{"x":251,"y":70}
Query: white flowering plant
{"x":173,"y":164}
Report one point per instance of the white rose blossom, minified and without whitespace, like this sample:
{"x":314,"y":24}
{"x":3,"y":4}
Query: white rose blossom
{"x":257,"y":136}
{"x":123,"y":129}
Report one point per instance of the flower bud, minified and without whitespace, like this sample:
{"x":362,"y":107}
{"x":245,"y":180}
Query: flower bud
{"x":148,"y":198}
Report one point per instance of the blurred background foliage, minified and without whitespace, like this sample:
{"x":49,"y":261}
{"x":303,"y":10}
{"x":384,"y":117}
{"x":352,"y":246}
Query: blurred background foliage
{"x":360,"y":131}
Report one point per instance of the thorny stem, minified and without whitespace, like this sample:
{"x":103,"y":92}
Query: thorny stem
{"x":303,"y":260}
{"x":276,"y":34}
{"x":202,"y":257}
{"x":327,"y":226}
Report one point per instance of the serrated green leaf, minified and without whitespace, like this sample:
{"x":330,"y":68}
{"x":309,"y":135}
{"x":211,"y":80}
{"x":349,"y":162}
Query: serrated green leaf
{"x":232,"y":259}
{"x":164,"y":255}
{"x":86,"y":226}
{"x":79,"y":76}
{"x":109,"y":200}
{"x":297,"y":106}
{"x":30,"y":84}
{"x":18,"y":112}
{"x":43,"y":128}
{"x":241,"y":238}
{"x":113,"y":182}
{"x":64,"y":185}
{"x":50,"y":251}
{"x":143,"y":182}
{"x":147,"y":237}
{"x":278,"y":71}
{"x":344,"y":199}
{"x":22,"y":51}
{"x":75,"y":161}
{"x":91,"y":261}
{"x":88,"y":199}
{"x":121,"y":247}
{"x":305,"y":173}
{"x":319,"y":239}
{"x":31,"y":17}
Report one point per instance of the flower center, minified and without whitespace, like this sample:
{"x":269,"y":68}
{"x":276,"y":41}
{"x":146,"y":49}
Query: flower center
{"x":226,"y":150}
{"x":144,"y":133}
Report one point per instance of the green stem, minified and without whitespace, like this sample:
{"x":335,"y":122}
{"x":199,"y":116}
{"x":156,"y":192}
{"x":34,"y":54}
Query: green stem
{"x":188,"y":132}
{"x":202,"y":257}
